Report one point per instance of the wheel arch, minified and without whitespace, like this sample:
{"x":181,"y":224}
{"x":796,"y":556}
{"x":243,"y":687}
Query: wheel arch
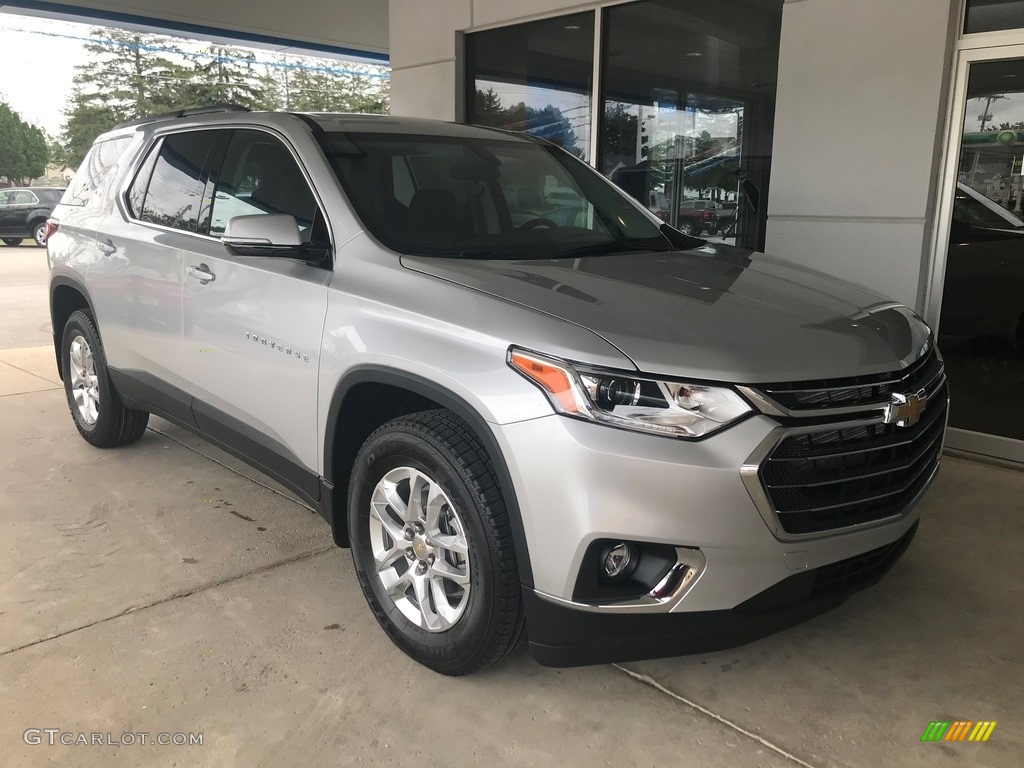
{"x":67,"y":296}
{"x":367,"y":397}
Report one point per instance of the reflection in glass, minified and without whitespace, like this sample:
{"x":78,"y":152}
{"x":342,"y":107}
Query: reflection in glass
{"x":175,"y":191}
{"x":982,"y":323}
{"x":688,"y":95}
{"x":994,"y":15}
{"x":534,"y":78}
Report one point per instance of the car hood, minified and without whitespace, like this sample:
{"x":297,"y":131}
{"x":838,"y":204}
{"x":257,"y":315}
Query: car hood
{"x":714,"y":312}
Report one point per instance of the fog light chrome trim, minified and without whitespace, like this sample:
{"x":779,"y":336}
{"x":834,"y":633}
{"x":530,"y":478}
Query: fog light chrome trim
{"x":666,"y":595}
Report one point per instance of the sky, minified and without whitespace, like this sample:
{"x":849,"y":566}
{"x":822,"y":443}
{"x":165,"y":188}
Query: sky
{"x":37,"y":59}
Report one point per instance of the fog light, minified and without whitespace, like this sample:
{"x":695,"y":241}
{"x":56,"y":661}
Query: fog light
{"x":617,"y":560}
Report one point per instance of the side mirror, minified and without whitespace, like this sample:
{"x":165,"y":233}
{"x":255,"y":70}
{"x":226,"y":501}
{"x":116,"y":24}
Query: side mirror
{"x":263,"y":235}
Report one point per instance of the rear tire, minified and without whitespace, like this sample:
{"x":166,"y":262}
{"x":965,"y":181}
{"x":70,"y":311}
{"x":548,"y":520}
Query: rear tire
{"x":39,"y":234}
{"x":98,"y":412}
{"x":455,"y":629}
{"x":12,"y":241}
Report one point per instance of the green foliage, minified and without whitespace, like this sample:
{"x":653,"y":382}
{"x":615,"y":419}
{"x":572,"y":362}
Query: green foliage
{"x":547,"y":122}
{"x":23,"y":149}
{"x":130,"y":75}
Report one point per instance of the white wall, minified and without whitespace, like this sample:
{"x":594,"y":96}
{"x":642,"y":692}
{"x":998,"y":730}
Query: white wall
{"x":858,"y":128}
{"x":357,"y":24}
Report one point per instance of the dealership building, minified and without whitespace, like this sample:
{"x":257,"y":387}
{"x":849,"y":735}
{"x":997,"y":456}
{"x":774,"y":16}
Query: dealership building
{"x":879,"y":142}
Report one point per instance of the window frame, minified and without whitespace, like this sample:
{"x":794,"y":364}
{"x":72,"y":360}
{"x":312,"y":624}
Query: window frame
{"x":217,"y":156}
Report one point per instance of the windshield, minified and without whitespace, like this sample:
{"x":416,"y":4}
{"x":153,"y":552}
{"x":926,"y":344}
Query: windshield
{"x":486,"y":198}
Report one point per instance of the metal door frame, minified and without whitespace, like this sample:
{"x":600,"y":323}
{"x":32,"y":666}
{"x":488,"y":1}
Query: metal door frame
{"x":971,"y":49}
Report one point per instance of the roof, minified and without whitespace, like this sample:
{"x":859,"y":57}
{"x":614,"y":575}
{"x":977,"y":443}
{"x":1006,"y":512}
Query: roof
{"x":328,"y":121}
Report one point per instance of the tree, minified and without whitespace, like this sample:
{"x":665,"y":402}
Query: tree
{"x":320,"y":85}
{"x":23,"y":151}
{"x":222,"y":75}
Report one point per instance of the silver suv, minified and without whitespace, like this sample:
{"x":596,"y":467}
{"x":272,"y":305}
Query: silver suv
{"x":531,"y":408}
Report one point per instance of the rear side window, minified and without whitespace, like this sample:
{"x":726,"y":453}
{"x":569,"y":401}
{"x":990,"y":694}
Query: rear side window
{"x":98,"y":164}
{"x":174,"y":193}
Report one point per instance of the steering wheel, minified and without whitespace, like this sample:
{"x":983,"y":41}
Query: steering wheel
{"x":538,"y":222}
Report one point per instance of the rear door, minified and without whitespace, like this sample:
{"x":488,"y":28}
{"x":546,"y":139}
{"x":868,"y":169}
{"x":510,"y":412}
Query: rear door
{"x":253,"y":324}
{"x":137,"y":284}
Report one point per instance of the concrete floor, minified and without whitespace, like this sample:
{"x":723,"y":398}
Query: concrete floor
{"x":165,"y":587}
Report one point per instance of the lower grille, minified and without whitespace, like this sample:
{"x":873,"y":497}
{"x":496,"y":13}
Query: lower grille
{"x":845,"y":476}
{"x":859,"y":571}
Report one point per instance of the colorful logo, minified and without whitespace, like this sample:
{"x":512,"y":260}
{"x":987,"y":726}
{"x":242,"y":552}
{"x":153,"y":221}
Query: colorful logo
{"x":958,"y":730}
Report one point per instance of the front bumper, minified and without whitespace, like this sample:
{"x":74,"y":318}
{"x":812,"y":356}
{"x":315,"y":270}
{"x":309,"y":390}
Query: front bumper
{"x":578,"y":482}
{"x":563,"y":637}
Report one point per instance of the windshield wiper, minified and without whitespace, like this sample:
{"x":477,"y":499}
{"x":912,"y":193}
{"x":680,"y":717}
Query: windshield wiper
{"x":613,"y":246}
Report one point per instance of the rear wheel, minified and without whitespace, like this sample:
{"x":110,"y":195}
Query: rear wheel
{"x":39,"y":233}
{"x":12,"y":241}
{"x":432,"y":545}
{"x":99,"y":414}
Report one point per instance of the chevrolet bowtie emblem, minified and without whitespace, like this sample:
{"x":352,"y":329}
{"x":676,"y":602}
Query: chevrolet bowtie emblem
{"x":906,"y":410}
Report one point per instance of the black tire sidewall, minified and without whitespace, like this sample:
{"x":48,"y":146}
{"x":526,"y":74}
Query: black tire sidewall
{"x":12,"y":242}
{"x":379,"y":456}
{"x":79,"y":324}
{"x":41,"y":226}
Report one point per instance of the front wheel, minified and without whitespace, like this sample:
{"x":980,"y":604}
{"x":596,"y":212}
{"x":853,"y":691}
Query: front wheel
{"x":12,"y":241}
{"x":99,"y":414}
{"x":687,"y":228}
{"x":432,"y":545}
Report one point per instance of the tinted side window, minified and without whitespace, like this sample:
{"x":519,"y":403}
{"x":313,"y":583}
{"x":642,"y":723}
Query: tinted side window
{"x":24,"y":197}
{"x":136,"y":196}
{"x":94,"y":169}
{"x":175,"y":191}
{"x":260,"y":176}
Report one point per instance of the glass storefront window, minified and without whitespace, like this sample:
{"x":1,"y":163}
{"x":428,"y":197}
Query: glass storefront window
{"x":994,"y":15}
{"x":981,"y":329}
{"x":536,"y":78}
{"x":688,"y":96}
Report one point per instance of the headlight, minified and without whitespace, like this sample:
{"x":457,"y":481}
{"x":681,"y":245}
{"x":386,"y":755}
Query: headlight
{"x":671,"y":408}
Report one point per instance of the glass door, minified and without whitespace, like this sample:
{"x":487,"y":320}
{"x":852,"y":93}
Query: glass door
{"x":981,"y":322}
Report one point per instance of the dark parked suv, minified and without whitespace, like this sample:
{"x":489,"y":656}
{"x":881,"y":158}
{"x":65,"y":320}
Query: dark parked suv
{"x":24,"y":211}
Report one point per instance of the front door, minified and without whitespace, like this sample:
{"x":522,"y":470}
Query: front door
{"x":981,"y":326}
{"x":253,"y":324}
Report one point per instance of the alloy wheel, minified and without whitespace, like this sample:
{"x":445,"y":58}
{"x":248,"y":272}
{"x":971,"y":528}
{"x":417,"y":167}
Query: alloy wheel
{"x":420,"y":550}
{"x":84,"y":383}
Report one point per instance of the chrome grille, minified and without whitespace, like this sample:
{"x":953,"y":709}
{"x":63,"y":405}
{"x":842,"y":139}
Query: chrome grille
{"x":818,"y":479}
{"x":848,"y":395}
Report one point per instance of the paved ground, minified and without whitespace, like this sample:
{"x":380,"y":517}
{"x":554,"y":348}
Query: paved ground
{"x":166,"y":588}
{"x":24,"y":313}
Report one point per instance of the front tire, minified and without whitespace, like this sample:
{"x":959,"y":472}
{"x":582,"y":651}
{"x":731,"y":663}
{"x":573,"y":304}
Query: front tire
{"x":687,"y":229}
{"x":98,"y":412}
{"x":432,"y":544}
{"x":12,"y":241}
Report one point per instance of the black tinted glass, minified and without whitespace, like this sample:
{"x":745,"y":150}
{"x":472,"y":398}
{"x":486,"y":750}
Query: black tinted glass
{"x":260,"y":176}
{"x":535,"y":78}
{"x":993,"y":15}
{"x":482,"y":198}
{"x":137,"y":192}
{"x":176,"y":189}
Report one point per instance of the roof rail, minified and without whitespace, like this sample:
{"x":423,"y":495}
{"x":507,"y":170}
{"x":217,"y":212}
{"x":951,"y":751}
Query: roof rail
{"x":183,"y":113}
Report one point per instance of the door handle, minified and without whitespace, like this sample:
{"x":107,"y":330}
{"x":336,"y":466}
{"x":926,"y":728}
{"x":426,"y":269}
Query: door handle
{"x":202,"y":273}
{"x":108,"y":248}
